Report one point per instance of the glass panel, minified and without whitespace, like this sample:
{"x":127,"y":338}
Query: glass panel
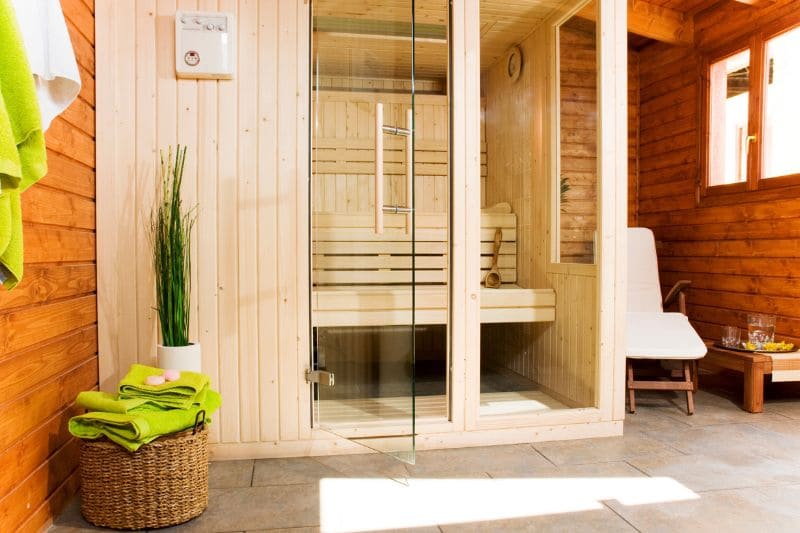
{"x":781,"y":110}
{"x":372,"y":265}
{"x":577,"y":181}
{"x":729,"y":93}
{"x":533,"y":359}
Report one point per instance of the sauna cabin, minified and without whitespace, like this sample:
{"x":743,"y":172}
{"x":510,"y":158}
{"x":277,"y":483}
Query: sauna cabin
{"x":338,"y":313}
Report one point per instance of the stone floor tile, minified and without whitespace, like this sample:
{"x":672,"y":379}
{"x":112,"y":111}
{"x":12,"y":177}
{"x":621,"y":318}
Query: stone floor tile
{"x":645,"y":421}
{"x":711,"y":409}
{"x":372,"y":465}
{"x":732,"y":511}
{"x":717,"y":471}
{"x":71,"y":520}
{"x":476,"y":462}
{"x":230,"y":474}
{"x":730,"y":438}
{"x":593,"y":470}
{"x":314,"y":529}
{"x":291,"y":471}
{"x":597,"y":521}
{"x":607,"y":449}
{"x":253,"y":508}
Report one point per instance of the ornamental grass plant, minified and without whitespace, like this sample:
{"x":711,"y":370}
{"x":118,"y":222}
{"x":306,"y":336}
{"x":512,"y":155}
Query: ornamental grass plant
{"x":170,"y":237}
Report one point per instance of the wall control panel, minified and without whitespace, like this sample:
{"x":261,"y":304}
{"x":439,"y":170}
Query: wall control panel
{"x":205,"y":45}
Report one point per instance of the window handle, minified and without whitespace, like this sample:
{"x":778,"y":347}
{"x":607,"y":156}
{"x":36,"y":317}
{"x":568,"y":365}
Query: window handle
{"x":752,"y":138}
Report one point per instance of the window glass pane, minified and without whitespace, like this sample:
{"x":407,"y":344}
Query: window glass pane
{"x":728,"y":99}
{"x":781,"y":150}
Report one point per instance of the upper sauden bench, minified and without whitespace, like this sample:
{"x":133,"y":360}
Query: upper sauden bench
{"x":363,"y":279}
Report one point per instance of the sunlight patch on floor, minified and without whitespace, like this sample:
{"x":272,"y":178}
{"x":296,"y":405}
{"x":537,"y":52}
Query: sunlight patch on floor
{"x":378,"y":504}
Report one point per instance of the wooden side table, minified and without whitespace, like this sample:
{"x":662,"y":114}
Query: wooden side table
{"x":753,"y":365}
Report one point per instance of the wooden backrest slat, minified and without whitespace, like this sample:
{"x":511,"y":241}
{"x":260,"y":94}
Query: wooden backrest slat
{"x":346,"y":251}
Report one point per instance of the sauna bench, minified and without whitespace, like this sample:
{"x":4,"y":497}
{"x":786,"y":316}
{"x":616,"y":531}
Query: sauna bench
{"x":371,"y":305}
{"x":362,"y":278}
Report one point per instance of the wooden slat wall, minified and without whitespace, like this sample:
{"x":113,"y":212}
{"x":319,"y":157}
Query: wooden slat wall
{"x":740,"y":257}
{"x":48,"y":324}
{"x":246,"y":171}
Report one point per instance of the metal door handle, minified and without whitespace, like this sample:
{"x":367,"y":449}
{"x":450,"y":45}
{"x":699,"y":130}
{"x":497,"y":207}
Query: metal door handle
{"x":380,"y":129}
{"x":396,"y":209}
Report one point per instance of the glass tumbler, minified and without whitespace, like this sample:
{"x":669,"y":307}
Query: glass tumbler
{"x":730,"y":336}
{"x":760,"y":329}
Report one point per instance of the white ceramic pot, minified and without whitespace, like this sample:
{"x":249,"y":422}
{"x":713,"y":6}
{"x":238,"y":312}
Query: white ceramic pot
{"x":179,"y":357}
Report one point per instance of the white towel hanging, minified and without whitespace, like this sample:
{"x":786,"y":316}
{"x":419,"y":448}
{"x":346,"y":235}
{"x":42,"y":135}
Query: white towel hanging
{"x":50,"y":54}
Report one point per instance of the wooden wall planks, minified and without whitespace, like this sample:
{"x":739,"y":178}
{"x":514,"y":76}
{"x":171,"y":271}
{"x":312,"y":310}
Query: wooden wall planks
{"x":246,"y":171}
{"x":48,"y":330}
{"x":740,"y":257}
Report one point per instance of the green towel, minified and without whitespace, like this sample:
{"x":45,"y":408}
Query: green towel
{"x":135,"y":429}
{"x":178,"y":394}
{"x":112,"y":403}
{"x":23,"y":158}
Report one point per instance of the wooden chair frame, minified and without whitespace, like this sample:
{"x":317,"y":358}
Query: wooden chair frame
{"x":688,"y":379}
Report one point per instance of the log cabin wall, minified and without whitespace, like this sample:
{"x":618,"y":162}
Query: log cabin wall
{"x":740,"y":257}
{"x":48,"y":324}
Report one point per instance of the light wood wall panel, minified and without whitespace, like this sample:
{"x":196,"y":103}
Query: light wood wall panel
{"x":740,"y":257}
{"x":246,"y":172}
{"x":48,"y":323}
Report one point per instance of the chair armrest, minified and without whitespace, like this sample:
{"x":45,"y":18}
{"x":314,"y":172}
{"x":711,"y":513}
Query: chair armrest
{"x":677,"y":292}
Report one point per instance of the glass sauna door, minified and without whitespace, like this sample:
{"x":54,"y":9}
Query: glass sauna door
{"x":363,"y":258}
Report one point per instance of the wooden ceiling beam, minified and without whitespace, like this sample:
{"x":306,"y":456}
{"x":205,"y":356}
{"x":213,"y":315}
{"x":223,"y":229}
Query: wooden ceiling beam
{"x":652,"y":21}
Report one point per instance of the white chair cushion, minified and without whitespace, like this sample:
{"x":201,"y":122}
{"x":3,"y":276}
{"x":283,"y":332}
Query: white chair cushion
{"x":659,"y":335}
{"x":644,"y":288}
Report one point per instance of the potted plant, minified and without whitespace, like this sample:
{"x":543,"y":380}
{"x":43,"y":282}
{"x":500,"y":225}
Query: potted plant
{"x":170,"y":233}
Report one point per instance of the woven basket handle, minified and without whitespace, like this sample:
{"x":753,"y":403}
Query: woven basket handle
{"x":199,"y":421}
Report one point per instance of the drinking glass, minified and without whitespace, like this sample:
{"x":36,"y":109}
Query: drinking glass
{"x":730,"y":336}
{"x":760,"y":329}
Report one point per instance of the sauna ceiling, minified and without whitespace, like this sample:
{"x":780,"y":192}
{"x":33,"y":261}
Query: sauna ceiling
{"x":371,"y":38}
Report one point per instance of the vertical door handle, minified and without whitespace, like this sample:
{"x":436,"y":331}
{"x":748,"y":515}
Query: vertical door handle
{"x":379,"y":168}
{"x":409,"y":168}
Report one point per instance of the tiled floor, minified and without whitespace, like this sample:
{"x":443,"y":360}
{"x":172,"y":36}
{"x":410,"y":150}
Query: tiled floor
{"x":719,"y":470}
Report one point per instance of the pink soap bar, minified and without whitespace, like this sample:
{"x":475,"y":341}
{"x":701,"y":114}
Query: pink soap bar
{"x":154,"y":380}
{"x":172,"y":374}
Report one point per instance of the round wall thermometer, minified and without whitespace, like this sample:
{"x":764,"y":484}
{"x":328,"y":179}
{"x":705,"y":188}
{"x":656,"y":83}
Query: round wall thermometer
{"x":514,"y":64}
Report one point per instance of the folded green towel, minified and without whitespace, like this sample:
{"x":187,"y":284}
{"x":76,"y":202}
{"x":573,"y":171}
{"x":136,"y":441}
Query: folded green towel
{"x":112,"y":403}
{"x":179,"y":394}
{"x":23,"y":158}
{"x":133,"y":430}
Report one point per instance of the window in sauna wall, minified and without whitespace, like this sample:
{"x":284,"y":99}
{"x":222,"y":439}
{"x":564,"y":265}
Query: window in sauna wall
{"x":752,"y":119}
{"x":577,"y":136}
{"x":536,"y":365}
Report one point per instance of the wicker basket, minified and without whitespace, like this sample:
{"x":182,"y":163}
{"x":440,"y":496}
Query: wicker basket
{"x":162,"y":484}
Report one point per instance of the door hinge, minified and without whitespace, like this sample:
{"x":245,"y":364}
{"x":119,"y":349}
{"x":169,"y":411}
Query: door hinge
{"x":323,"y":377}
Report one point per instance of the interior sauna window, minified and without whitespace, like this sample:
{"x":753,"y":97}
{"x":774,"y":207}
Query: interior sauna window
{"x":380,"y":193}
{"x":752,"y":117}
{"x":546,"y":360}
{"x":577,"y":140}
